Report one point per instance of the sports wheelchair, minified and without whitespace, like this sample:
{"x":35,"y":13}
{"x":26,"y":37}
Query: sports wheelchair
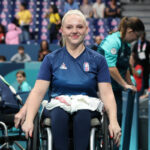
{"x":16,"y":140}
{"x":99,"y":134}
{"x":10,"y":103}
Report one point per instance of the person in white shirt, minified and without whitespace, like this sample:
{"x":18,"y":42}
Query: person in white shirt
{"x":98,"y":9}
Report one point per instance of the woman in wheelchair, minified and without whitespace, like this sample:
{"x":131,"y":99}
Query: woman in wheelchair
{"x":73,"y":70}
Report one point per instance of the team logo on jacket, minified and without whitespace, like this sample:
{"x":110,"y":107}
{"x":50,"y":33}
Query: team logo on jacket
{"x":113,"y":51}
{"x":63,"y":66}
{"x":86,"y":67}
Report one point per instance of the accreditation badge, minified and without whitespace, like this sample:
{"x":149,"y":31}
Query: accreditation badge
{"x":142,"y":55}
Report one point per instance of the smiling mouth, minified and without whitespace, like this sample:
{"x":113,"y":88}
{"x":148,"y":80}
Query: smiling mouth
{"x":75,"y":36}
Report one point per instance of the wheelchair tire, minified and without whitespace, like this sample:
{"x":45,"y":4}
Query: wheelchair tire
{"x":34,"y":142}
{"x":44,"y":142}
{"x":108,"y":142}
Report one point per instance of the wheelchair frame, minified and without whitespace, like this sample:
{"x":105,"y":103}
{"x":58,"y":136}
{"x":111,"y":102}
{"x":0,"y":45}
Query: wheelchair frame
{"x":8,"y":142}
{"x":99,"y":135}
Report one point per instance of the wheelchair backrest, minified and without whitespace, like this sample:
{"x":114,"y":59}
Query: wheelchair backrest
{"x":8,"y":97}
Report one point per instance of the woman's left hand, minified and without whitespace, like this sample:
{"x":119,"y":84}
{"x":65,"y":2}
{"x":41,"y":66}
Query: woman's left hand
{"x":115,"y":132}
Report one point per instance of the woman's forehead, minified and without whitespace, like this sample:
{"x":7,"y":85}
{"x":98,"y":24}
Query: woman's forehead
{"x":69,"y":19}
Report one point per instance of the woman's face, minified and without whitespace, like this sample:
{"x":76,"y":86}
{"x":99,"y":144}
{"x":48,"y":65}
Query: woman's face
{"x":44,"y":45}
{"x":131,"y":35}
{"x":74,"y":29}
{"x":21,"y":7}
{"x":51,"y":10}
{"x":20,"y":78}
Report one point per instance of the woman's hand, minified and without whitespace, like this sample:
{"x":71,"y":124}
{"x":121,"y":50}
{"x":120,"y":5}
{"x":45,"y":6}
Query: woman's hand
{"x":115,"y":132}
{"x":27,"y":127}
{"x":20,"y":116}
{"x":131,"y":87}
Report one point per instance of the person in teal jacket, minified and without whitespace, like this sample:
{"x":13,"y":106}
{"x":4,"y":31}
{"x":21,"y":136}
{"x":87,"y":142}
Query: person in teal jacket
{"x":23,"y":84}
{"x":116,"y":49}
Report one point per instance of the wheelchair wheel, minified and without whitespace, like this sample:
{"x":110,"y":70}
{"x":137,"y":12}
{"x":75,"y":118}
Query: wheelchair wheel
{"x":34,"y":142}
{"x":44,"y":143}
{"x":46,"y":139}
{"x":95,"y":139}
{"x":108,"y":142}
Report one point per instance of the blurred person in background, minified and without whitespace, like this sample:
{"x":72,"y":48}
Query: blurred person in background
{"x":141,"y":51}
{"x":116,"y":49}
{"x":2,"y":34}
{"x":99,"y":9}
{"x":98,"y":40}
{"x":21,"y":56}
{"x":86,"y":9}
{"x":12,"y":36}
{"x":112,"y":10}
{"x":70,"y":5}
{"x":44,"y":50}
{"x":24,"y":18}
{"x":54,"y":22}
{"x":137,"y":72}
{"x":2,"y":58}
{"x":23,"y":84}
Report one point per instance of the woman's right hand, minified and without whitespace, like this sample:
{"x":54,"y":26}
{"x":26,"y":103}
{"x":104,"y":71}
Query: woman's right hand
{"x":27,"y":127}
{"x":131,"y":87}
{"x":20,"y":116}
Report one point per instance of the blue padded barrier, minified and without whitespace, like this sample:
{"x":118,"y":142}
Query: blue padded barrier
{"x":128,"y":103}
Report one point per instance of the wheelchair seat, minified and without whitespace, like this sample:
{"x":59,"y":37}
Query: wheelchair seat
{"x":47,"y":122}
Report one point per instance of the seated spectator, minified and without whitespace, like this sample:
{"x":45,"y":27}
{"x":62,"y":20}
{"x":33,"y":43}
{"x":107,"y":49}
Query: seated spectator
{"x":86,"y":9}
{"x":23,"y":84}
{"x":2,"y":58}
{"x":44,"y":50}
{"x":70,"y":4}
{"x":98,"y":9}
{"x":12,"y":36}
{"x":21,"y":56}
{"x":98,"y":40}
{"x":2,"y":34}
{"x":112,"y":9}
{"x":24,"y":19}
{"x":54,"y":22}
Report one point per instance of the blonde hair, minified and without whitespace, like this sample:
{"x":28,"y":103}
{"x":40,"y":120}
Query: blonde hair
{"x":75,"y":12}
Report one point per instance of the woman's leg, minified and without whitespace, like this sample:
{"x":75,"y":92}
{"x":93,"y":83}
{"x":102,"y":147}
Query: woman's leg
{"x":60,"y":128}
{"x":81,"y":129}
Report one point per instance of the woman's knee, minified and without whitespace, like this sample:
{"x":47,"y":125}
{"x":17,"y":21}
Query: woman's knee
{"x":58,"y":115}
{"x":82,"y":117}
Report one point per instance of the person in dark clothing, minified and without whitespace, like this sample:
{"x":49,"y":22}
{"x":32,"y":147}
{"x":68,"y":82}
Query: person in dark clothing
{"x":44,"y":50}
{"x":141,"y":51}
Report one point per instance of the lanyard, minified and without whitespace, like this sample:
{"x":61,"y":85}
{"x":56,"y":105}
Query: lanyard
{"x":143,"y":47}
